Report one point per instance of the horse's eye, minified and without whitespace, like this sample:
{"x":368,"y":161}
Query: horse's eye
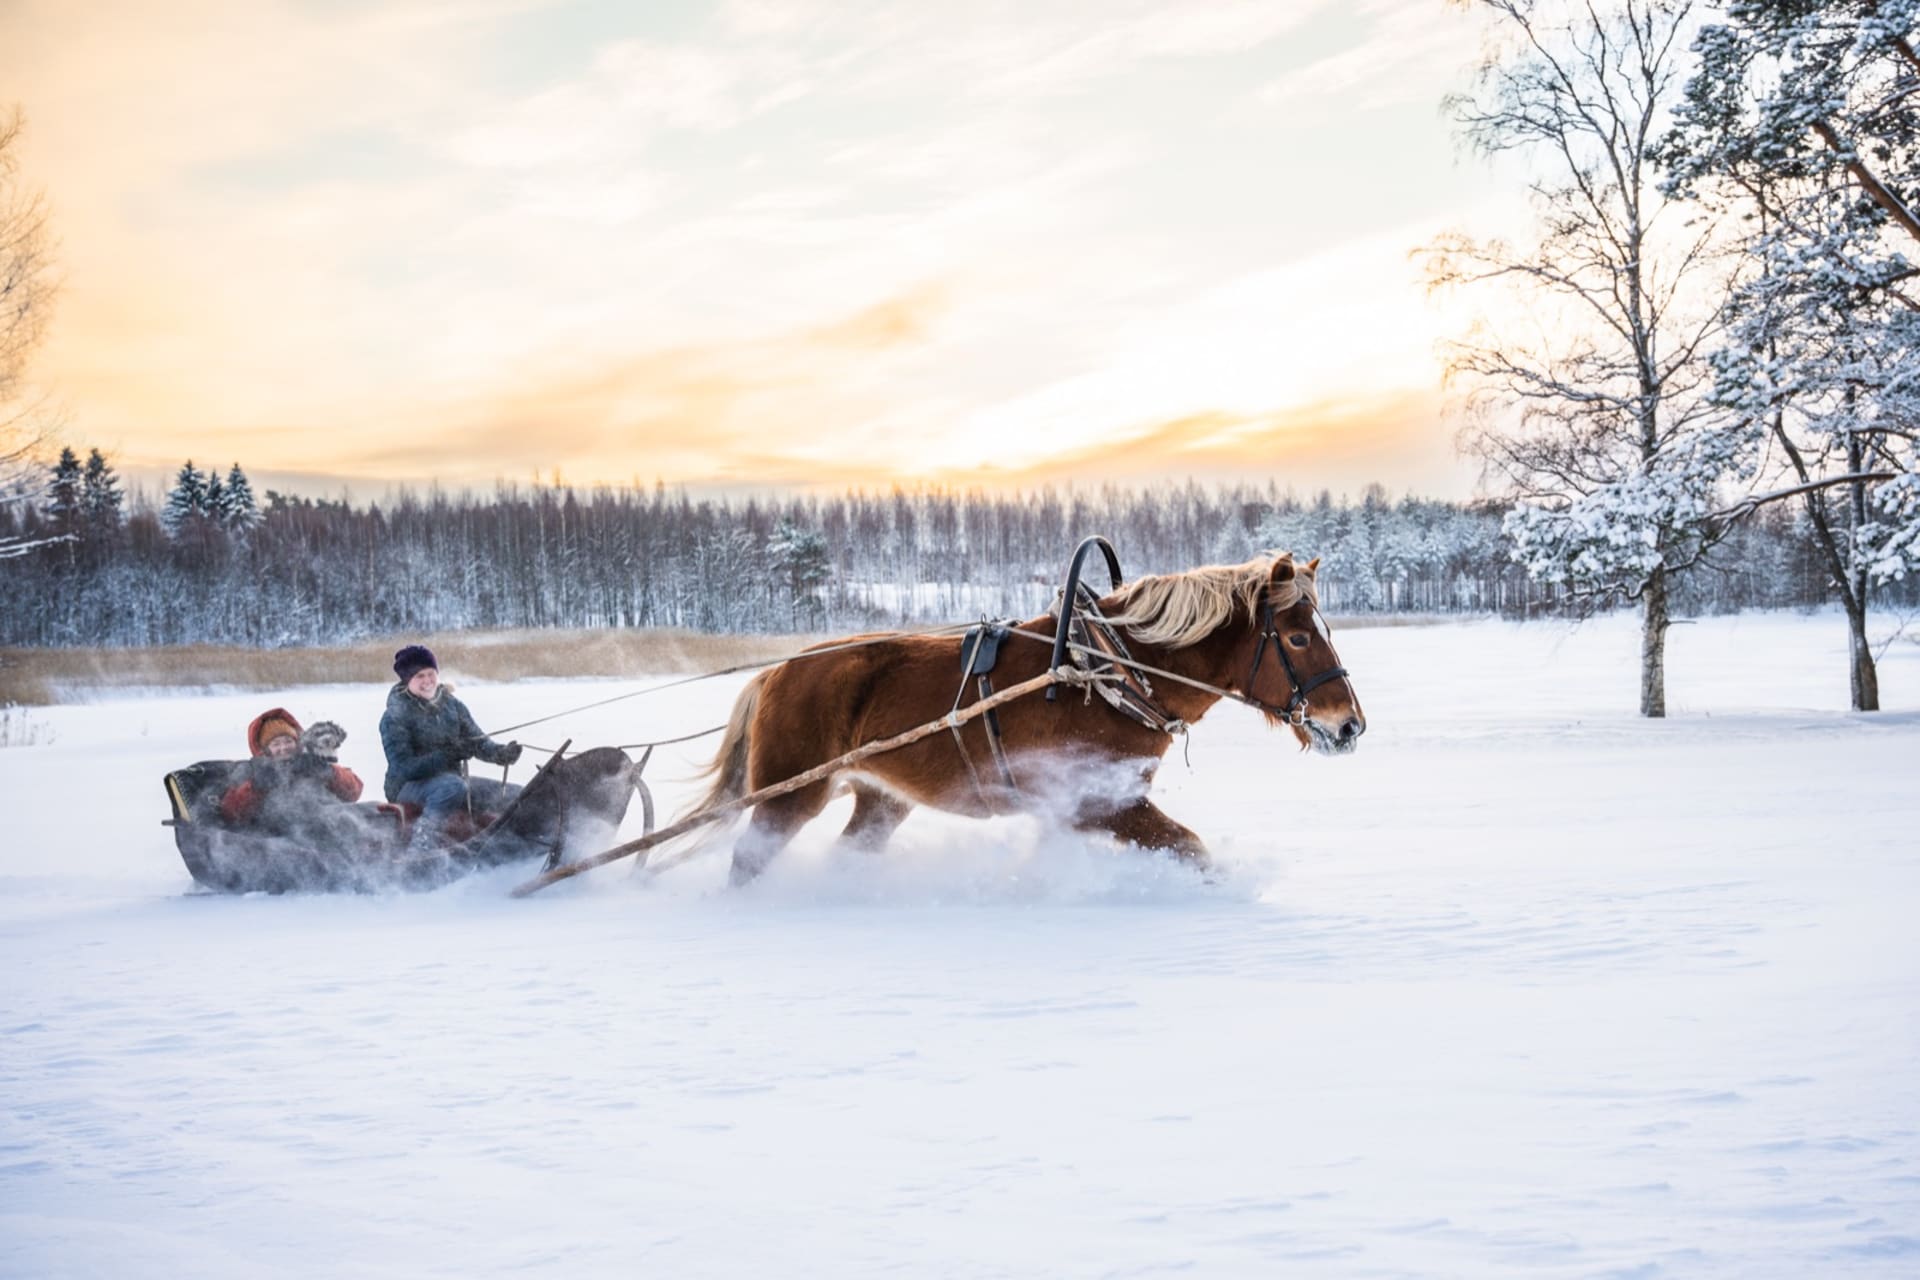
{"x":1298,"y":640}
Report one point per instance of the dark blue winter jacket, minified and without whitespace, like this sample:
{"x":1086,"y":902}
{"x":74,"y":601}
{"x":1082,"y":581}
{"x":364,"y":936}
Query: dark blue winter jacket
{"x":425,"y":738}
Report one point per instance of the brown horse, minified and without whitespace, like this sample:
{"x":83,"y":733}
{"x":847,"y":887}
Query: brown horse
{"x":1076,"y":757}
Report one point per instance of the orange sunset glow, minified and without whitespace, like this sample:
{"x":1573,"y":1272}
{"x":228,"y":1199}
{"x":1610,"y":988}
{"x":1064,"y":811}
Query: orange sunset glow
{"x":752,"y":244}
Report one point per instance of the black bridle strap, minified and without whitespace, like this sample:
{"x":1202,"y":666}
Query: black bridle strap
{"x":1298,"y":690}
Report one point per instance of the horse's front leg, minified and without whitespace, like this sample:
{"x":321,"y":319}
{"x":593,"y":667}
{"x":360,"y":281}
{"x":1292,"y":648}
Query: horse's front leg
{"x":1140,"y":823}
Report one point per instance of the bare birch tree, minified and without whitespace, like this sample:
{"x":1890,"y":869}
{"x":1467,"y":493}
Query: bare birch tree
{"x":26,"y":297}
{"x":1588,"y":389}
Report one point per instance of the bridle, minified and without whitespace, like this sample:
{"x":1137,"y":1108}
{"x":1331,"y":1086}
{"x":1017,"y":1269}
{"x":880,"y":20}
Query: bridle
{"x":1298,"y":690}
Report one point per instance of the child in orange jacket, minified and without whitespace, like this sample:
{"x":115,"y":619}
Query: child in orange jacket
{"x":283,"y":782}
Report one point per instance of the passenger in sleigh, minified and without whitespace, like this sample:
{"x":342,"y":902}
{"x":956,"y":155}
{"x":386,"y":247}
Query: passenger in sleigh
{"x":429,"y":735}
{"x":291,"y":785}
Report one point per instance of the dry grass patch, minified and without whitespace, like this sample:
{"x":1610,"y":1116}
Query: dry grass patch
{"x":39,"y":677}
{"x":18,"y":728}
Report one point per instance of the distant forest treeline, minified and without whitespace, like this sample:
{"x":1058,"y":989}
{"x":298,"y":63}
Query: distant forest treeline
{"x":212,"y":565}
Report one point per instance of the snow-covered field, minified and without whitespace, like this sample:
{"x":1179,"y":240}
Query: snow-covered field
{"x":1526,"y":986}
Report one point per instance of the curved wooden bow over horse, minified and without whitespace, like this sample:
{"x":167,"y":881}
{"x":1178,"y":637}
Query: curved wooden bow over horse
{"x":1076,"y":758}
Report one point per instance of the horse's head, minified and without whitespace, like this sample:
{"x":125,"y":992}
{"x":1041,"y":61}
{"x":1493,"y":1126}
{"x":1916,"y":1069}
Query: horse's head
{"x":1294,"y":674}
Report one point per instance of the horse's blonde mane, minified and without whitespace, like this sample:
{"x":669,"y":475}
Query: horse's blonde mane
{"x":1175,"y":610}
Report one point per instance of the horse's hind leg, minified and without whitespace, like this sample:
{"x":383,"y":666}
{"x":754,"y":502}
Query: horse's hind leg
{"x":1140,"y":823}
{"x":774,"y":824}
{"x":876,"y":815}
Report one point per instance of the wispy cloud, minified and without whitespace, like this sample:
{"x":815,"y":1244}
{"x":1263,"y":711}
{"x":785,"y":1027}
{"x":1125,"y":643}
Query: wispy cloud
{"x":1397,"y":41}
{"x":769,"y":239}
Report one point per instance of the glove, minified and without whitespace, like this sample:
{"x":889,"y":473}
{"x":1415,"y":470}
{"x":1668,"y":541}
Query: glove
{"x":511,"y":754}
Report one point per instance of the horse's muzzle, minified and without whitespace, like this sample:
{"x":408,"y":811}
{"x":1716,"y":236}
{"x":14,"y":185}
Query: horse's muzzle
{"x":1338,"y":740}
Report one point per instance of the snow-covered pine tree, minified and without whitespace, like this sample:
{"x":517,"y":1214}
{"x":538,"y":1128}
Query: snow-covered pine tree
{"x":237,"y":510}
{"x":101,"y":500}
{"x":1354,"y":558}
{"x":1592,"y":412}
{"x":62,"y":505}
{"x":799,"y":556}
{"x":1804,"y":115}
{"x":186,"y":501}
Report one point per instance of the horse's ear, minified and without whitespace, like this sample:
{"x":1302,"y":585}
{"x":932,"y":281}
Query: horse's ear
{"x":1313,"y":566}
{"x":1283,"y":568}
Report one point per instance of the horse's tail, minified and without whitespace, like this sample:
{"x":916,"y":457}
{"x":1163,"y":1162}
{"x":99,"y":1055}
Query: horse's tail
{"x":729,"y":767}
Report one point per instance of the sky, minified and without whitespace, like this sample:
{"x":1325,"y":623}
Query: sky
{"x":763,"y":244}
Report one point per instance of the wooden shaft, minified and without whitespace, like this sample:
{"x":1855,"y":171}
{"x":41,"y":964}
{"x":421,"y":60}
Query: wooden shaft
{"x":702,"y":817}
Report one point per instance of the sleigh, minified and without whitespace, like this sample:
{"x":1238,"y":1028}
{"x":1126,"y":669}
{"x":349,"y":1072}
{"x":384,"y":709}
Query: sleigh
{"x":367,"y":848}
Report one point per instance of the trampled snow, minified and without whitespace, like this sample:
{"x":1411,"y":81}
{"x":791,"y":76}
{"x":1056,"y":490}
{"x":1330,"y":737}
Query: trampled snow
{"x":1527,"y":985}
